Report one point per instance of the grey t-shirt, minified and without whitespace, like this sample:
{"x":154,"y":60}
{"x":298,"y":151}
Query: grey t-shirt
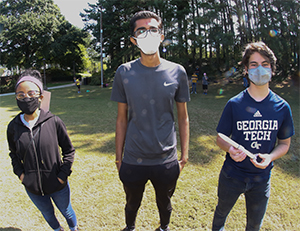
{"x":204,"y":80}
{"x":149,"y":93}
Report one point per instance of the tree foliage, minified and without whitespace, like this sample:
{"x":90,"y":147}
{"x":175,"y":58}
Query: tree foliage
{"x":211,"y":34}
{"x":34,"y":31}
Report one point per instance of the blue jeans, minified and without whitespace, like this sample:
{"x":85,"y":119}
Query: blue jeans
{"x":256,"y":195}
{"x":62,"y":202}
{"x":194,"y":86}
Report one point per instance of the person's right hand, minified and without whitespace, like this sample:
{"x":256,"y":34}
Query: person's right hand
{"x":236,"y":154}
{"x":181,"y":164}
{"x":118,"y":164}
{"x":22,"y":177}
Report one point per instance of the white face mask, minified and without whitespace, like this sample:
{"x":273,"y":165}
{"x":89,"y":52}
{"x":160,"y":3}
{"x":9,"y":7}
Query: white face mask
{"x":260,"y":75}
{"x":148,"y":45}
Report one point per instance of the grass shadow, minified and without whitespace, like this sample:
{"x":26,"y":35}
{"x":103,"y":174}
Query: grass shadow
{"x":10,"y":229}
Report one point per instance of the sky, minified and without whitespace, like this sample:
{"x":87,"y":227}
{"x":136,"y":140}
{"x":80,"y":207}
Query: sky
{"x":72,"y":8}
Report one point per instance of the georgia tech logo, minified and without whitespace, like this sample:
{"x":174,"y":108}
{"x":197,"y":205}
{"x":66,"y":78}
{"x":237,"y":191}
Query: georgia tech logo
{"x":255,"y":144}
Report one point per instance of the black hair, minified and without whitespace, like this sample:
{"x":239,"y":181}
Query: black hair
{"x":144,"y":15}
{"x":29,"y":72}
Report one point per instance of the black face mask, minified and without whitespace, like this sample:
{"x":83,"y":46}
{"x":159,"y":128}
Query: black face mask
{"x":28,"y":105}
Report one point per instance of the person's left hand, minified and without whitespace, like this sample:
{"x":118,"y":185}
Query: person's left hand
{"x":265,"y":161}
{"x":60,"y":180}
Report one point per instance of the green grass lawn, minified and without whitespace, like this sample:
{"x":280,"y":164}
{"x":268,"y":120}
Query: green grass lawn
{"x":97,"y":193}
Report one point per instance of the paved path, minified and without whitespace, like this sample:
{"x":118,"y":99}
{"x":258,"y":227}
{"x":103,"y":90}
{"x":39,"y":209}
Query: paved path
{"x":49,"y":88}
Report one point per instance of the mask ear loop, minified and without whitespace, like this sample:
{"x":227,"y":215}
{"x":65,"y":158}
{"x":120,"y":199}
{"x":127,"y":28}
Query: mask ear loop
{"x":137,"y":45}
{"x":131,"y":36}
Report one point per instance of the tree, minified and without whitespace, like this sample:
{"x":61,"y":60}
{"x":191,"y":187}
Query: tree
{"x":68,"y":47}
{"x":35,"y":30}
{"x":211,"y":34}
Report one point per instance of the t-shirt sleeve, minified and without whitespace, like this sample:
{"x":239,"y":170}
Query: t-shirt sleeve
{"x":286,"y":129}
{"x":118,"y":92}
{"x":225,"y":123}
{"x":182,"y":93}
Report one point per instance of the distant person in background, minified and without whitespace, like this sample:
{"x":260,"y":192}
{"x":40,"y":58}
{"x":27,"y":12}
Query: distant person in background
{"x":194,"y":83}
{"x":261,"y":122}
{"x":204,"y":84}
{"x":77,"y":82}
{"x":34,"y":137}
{"x":197,"y":71}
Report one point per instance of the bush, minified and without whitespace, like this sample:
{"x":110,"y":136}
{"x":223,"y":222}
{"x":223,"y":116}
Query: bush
{"x":57,"y":75}
{"x":95,"y":79}
{"x":108,"y":76}
{"x":9,"y":87}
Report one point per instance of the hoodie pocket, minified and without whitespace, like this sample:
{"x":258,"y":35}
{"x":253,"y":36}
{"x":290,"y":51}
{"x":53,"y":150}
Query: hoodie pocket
{"x":30,"y":181}
{"x":50,"y":182}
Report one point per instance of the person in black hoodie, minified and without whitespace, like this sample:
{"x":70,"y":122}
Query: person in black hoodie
{"x":34,"y":137}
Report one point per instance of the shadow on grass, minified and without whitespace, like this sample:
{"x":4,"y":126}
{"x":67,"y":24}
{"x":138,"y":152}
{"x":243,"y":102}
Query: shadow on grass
{"x":10,"y":229}
{"x":201,"y":153}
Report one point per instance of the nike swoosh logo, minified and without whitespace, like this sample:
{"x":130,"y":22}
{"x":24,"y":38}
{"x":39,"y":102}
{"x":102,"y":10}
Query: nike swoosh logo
{"x":168,"y":84}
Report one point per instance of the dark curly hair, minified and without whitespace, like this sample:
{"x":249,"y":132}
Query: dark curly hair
{"x":263,"y":50}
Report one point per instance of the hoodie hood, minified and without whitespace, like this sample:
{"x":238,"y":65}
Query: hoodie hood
{"x":44,"y":116}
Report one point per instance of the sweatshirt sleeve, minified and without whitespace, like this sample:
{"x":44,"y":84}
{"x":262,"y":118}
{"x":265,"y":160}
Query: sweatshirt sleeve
{"x":15,"y":159}
{"x":67,"y":149}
